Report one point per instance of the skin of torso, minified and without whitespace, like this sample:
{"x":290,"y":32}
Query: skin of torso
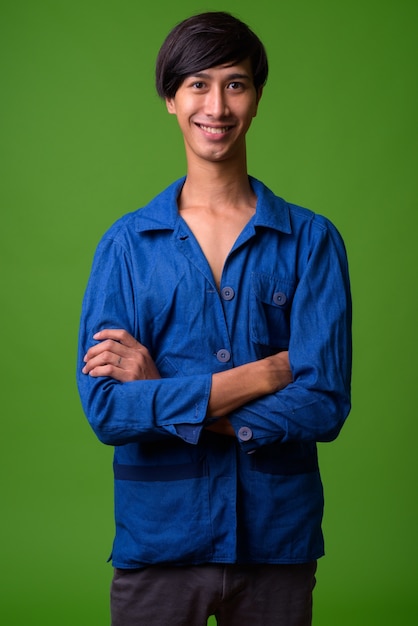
{"x":216,"y":232}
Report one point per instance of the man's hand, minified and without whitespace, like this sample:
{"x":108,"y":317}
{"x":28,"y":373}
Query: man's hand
{"x":222,"y":427}
{"x":120,"y":356}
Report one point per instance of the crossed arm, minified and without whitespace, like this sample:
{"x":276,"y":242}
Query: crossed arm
{"x":120,"y":356}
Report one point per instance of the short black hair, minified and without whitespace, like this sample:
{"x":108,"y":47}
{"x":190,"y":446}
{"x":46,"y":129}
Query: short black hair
{"x":207,"y":40}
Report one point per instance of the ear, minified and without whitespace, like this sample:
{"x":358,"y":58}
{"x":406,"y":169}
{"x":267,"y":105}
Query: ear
{"x":171,"y":106}
{"x":259,"y":94}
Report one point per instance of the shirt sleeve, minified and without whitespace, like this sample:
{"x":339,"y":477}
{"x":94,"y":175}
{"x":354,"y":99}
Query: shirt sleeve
{"x":123,"y":412}
{"x":315,"y":405}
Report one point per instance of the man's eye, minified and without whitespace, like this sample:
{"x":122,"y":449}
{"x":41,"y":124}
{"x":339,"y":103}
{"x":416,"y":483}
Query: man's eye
{"x":198,"y":85}
{"x":235,"y":85}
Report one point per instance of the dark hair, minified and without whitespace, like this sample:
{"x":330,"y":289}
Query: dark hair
{"x":203,"y":41}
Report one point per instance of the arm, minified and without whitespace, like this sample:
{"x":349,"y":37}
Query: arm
{"x":146,"y":405}
{"x":120,"y":356}
{"x":237,"y":387}
{"x":315,"y":405}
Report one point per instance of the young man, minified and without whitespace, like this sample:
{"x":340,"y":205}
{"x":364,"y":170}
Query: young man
{"x":215,"y":351}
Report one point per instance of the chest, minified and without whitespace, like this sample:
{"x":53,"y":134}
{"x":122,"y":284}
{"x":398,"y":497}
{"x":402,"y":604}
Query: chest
{"x":188,"y":324}
{"x":216,"y":237}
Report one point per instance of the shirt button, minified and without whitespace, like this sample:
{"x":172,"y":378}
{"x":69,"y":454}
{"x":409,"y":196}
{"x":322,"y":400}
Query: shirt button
{"x":245,"y":433}
{"x":227,"y":293}
{"x":279,"y":298}
{"x":223,"y":355}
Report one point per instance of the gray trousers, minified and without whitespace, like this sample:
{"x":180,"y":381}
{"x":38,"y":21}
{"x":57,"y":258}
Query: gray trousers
{"x":238,"y":595}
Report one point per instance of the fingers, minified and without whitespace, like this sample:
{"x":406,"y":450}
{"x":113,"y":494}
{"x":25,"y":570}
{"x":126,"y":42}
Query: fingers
{"x":106,"y":357}
{"x":101,"y":357}
{"x":111,"y":371}
{"x":117,"y":334}
{"x":112,"y":365}
{"x":112,"y":340}
{"x":105,"y":348}
{"x":120,"y":356}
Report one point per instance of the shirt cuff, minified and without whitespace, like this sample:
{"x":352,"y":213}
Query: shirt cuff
{"x":190,"y":433}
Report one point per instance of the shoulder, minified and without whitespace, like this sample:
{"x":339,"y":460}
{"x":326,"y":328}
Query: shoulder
{"x":158,"y":214}
{"x":289,"y":217}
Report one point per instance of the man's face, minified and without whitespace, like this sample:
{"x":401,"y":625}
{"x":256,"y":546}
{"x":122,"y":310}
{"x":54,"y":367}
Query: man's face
{"x":214,"y":109}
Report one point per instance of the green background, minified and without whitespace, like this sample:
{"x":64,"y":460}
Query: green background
{"x":84,"y":139}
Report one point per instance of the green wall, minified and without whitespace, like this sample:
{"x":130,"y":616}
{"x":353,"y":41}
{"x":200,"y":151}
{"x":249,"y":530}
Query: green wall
{"x":85,"y":139}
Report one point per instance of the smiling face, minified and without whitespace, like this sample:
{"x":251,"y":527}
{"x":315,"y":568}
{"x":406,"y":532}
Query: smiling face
{"x":214,"y":109}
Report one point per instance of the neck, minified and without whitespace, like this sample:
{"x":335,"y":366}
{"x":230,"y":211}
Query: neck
{"x":217,"y":184}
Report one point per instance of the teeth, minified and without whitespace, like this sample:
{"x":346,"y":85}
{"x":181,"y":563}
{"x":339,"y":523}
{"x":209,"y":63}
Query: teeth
{"x":214,"y":131}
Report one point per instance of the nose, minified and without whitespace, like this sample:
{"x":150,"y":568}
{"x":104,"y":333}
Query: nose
{"x":216,"y":103}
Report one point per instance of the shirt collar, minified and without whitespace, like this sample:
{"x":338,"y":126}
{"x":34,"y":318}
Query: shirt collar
{"x":271,"y":211}
{"x":162,"y":212}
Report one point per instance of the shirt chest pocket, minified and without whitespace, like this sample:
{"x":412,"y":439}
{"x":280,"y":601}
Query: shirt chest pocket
{"x":270,"y":308}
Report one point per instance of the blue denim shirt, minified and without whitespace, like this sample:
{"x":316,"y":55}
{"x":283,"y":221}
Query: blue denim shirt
{"x":184,"y":494}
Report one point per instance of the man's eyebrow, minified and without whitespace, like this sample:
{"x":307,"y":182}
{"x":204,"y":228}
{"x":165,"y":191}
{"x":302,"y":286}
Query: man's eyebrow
{"x":240,"y":76}
{"x":233,"y":76}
